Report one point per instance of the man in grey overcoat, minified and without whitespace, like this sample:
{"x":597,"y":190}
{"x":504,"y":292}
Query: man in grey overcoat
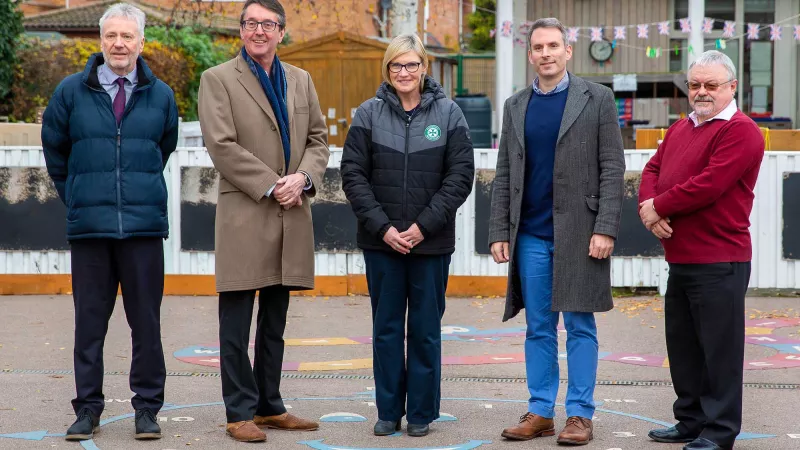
{"x":556,"y":206}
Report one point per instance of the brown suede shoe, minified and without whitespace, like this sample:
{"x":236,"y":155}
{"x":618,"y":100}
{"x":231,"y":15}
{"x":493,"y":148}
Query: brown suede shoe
{"x":245,"y":431}
{"x":530,"y":426}
{"x":578,"y":431}
{"x":286,"y":421}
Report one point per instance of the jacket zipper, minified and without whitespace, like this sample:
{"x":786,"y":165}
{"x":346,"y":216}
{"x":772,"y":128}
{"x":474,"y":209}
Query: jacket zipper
{"x":405,"y":174}
{"x":119,"y":182}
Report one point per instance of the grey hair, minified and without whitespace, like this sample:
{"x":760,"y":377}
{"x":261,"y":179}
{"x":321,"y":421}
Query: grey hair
{"x":548,"y":22}
{"x":712,"y":57}
{"x":126,"y":11}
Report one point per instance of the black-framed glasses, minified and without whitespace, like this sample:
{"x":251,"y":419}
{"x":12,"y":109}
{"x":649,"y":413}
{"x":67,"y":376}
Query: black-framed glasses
{"x":410,"y":67}
{"x":267,"y":25}
{"x":710,"y":86}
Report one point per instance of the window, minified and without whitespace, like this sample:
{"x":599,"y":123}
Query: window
{"x":756,"y":87}
{"x":720,"y":10}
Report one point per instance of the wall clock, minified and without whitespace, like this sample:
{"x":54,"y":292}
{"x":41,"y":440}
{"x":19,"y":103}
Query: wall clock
{"x":601,"y":51}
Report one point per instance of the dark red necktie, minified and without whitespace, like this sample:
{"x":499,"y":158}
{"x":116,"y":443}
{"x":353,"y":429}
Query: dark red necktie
{"x":119,"y":100}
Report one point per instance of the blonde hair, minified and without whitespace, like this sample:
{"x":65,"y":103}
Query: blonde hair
{"x":403,"y":44}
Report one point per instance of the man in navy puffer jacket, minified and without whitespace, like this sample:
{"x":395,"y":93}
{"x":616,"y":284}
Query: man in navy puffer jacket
{"x":107,"y":134}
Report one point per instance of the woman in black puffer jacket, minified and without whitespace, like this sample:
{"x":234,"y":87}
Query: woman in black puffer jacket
{"x":407,"y":166}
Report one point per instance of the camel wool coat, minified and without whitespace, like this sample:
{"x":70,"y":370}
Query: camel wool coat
{"x":258,"y":242}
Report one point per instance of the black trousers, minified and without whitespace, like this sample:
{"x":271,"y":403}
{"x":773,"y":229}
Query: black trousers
{"x":99,"y":267}
{"x":249,"y":390}
{"x":416,"y":282}
{"x":705,"y":344}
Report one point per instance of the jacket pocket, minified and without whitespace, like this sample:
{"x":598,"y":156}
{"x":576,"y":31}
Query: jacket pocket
{"x":301,"y":109}
{"x":593,"y":202}
{"x":227,"y":186}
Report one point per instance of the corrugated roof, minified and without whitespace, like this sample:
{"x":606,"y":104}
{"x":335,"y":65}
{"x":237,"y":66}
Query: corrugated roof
{"x":88,"y":17}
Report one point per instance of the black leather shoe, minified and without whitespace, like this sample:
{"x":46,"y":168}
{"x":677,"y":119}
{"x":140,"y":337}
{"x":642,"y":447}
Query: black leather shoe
{"x":147,"y":425}
{"x":670,"y":435}
{"x":386,"y":427}
{"x":83,"y":429}
{"x":702,"y":444}
{"x":417,"y":430}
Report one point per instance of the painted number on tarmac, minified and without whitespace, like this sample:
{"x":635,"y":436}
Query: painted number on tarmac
{"x":624,"y":434}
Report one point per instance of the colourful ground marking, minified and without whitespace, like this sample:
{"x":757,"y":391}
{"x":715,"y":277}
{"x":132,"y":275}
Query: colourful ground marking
{"x":335,"y":417}
{"x":758,"y":332}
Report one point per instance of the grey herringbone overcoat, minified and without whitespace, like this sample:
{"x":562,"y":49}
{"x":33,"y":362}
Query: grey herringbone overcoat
{"x":588,"y":183}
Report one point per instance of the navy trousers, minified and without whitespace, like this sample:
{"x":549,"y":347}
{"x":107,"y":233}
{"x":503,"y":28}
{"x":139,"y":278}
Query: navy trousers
{"x":415,"y":282}
{"x":99,"y":268}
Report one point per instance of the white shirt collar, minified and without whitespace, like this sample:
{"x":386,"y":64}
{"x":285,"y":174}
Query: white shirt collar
{"x":725,"y":114}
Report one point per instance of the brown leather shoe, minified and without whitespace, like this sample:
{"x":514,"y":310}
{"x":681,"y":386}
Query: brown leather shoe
{"x":578,"y":431}
{"x":530,"y":426}
{"x":286,"y":421}
{"x":245,"y":431}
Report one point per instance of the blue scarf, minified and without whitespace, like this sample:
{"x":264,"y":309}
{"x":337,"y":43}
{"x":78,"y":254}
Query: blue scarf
{"x":274,"y":87}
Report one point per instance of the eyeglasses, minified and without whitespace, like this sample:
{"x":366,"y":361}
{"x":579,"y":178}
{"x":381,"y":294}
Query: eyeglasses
{"x":410,"y":67}
{"x":710,"y":87}
{"x":267,"y":25}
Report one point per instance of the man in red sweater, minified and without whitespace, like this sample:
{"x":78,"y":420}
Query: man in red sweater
{"x":696,"y":196}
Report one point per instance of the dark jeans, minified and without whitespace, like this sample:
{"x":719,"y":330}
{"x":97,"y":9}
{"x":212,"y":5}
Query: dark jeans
{"x":416,"y":282}
{"x":705,"y":344}
{"x":249,"y":390}
{"x":99,"y":267}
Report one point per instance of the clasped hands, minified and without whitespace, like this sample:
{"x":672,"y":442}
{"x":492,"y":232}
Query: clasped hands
{"x":653,"y":222}
{"x":289,"y":189}
{"x":405,"y":241}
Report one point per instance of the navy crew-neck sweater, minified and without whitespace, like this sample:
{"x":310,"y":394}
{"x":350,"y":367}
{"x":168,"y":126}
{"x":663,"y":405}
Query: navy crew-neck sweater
{"x":542,"y":122}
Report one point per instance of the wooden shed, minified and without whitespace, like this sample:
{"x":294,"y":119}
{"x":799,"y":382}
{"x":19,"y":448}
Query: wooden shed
{"x":346,"y":70}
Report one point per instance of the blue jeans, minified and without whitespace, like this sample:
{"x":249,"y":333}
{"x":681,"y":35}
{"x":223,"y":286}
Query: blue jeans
{"x":534,"y":258}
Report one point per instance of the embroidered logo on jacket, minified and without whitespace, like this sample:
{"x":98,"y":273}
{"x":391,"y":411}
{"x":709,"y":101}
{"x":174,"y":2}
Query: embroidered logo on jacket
{"x":433,"y":133}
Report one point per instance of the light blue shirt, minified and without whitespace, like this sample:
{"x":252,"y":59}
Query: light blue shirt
{"x":108,"y":79}
{"x":562,"y":85}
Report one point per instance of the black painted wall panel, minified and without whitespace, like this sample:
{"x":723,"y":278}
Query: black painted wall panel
{"x":335,"y":224}
{"x":484,"y":179}
{"x":791,"y":215}
{"x":633,"y":238}
{"x":32,"y":216}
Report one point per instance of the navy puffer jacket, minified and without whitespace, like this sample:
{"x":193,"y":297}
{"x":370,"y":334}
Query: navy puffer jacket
{"x":111,"y":179}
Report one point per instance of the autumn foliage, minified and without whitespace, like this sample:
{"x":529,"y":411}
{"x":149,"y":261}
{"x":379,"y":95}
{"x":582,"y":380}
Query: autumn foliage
{"x":43,"y":64}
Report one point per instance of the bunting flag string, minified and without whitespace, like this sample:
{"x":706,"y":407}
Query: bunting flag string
{"x":774,"y":32}
{"x":729,"y":29}
{"x":708,"y":24}
{"x":597,"y":34}
{"x":686,"y":25}
{"x":642,"y":31}
{"x":572,"y":34}
{"x":518,"y":32}
{"x":752,"y":31}
{"x":506,"y":31}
